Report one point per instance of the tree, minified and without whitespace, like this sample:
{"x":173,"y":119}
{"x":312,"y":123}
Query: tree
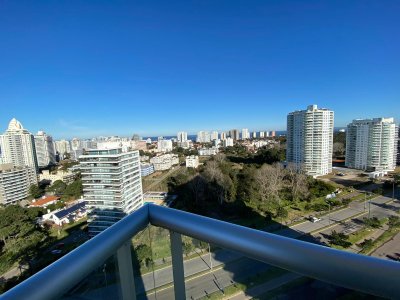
{"x":394,"y":221}
{"x":340,"y":239}
{"x":281,"y":212}
{"x":298,"y":182}
{"x":19,"y":232}
{"x":143,"y":253}
{"x":197,"y":185}
{"x":35,"y":192}
{"x":218,"y":182}
{"x":58,"y":187}
{"x":372,"y":222}
{"x":338,"y":149}
{"x":269,"y":180}
{"x":73,"y":190}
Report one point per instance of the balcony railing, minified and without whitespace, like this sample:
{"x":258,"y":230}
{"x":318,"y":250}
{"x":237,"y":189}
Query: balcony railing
{"x":361,"y":273}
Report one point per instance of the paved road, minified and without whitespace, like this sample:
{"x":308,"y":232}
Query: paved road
{"x":354,"y":224}
{"x":212,"y":282}
{"x":392,"y":248}
{"x":355,"y":208}
{"x":191,"y":267}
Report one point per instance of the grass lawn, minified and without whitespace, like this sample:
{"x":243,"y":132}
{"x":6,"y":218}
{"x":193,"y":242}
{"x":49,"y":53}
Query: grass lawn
{"x":383,"y":238}
{"x":62,"y":232}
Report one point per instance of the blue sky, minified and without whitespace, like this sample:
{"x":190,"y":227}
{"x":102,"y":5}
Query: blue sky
{"x":86,"y":68}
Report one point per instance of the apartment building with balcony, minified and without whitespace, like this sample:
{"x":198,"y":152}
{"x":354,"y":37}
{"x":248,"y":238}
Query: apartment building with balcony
{"x":112,"y":186}
{"x":371,"y":144}
{"x":45,"y":150}
{"x":15,"y":182}
{"x":17,"y":146}
{"x":192,"y":161}
{"x":310,"y":140}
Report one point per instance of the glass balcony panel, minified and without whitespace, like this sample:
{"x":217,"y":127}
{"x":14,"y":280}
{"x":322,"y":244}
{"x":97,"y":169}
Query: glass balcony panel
{"x":152,"y":264}
{"x":212,"y":272}
{"x":101,"y":283}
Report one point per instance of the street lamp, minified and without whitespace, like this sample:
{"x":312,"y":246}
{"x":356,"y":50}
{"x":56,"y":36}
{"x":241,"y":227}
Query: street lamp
{"x":329,"y":212}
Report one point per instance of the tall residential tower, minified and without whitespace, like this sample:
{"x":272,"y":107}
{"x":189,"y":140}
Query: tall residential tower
{"x":310,"y":140}
{"x":112,"y":186}
{"x":18,"y":146}
{"x":371,"y":144}
{"x":45,"y":150}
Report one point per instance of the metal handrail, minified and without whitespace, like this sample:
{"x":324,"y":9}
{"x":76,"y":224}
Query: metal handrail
{"x":363,"y":273}
{"x":359,"y":272}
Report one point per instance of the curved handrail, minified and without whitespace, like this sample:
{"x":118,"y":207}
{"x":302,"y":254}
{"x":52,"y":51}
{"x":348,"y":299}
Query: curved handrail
{"x":359,"y":272}
{"x":367,"y":274}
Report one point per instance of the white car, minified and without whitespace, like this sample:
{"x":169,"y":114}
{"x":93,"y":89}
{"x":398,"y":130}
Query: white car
{"x":314,"y":219}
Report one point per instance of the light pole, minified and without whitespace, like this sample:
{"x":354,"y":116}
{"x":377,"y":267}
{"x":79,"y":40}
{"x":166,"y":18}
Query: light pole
{"x":369,"y":209}
{"x":209,"y":251}
{"x":365,"y":201}
{"x":329,"y":213}
{"x":393,"y":190}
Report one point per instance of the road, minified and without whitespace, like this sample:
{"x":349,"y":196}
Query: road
{"x":377,"y":209}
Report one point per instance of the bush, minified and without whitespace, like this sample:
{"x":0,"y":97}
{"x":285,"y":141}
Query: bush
{"x":346,"y":201}
{"x":373,"y":222}
{"x":394,"y":221}
{"x":339,"y":239}
{"x":320,"y":206}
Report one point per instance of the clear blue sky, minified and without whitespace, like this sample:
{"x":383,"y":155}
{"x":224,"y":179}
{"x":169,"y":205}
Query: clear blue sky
{"x":86,"y":68}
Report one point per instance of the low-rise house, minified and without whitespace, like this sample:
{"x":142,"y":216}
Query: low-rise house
{"x":208,"y":151}
{"x":65,"y":176}
{"x":164,"y":162}
{"x":44,"y":201}
{"x":192,"y":161}
{"x":66,"y":215}
{"x":146,"y":169}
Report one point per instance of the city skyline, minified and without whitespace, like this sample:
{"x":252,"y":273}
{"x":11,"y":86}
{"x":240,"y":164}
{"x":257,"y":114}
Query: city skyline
{"x":106,"y":69}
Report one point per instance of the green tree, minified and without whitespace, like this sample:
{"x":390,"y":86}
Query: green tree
{"x":19,"y":232}
{"x":281,"y":212}
{"x":58,"y":187}
{"x":372,"y":222}
{"x":35,"y":192}
{"x":73,"y":190}
{"x":340,"y":239}
{"x":143,"y":253}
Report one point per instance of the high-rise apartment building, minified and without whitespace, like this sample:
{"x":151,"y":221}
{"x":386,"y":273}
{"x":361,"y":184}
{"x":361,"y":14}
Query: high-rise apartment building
{"x":112,"y":186}
{"x":164,"y":146}
{"x":45,"y":151}
{"x":223,"y":136}
{"x":63,"y":147}
{"x":245,"y":134}
{"x":18,"y":146}
{"x":203,"y":137}
{"x":398,"y":146}
{"x":214,"y":135}
{"x":15,"y":182}
{"x":254,"y":134}
{"x":310,"y":140}
{"x":371,"y":144}
{"x":262,"y":134}
{"x":228,"y":142}
{"x":182,"y":136}
{"x":234,"y":133}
